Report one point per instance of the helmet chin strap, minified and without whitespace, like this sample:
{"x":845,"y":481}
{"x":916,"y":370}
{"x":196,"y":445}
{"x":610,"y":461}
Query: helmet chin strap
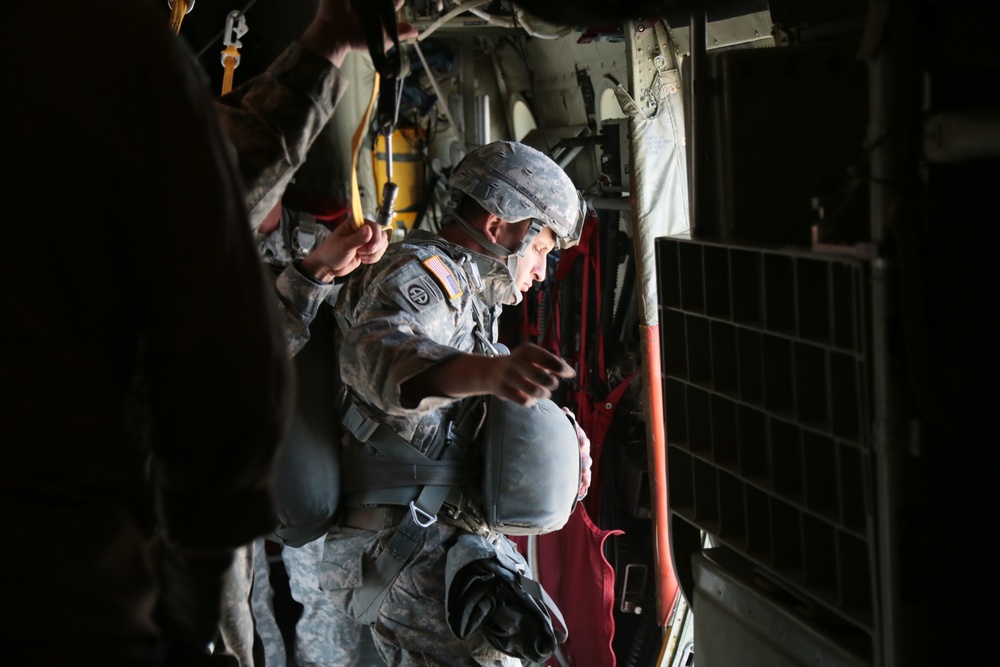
{"x":512,"y":257}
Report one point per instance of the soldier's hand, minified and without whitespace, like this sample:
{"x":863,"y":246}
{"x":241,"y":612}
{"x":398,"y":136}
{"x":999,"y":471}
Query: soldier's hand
{"x":586,"y":462}
{"x":372,"y":251}
{"x":527,"y":374}
{"x":344,"y":250}
{"x":336,"y":30}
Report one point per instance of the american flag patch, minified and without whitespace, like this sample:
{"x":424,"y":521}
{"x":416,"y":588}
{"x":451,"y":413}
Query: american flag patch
{"x":444,"y":276}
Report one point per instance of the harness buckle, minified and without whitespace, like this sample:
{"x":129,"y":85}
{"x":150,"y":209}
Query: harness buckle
{"x":355,"y":417}
{"x":366,"y":429}
{"x":236,"y":27}
{"x":416,"y":513}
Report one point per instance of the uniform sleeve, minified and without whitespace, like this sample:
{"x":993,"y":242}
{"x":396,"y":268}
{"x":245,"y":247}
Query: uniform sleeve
{"x":299,"y":299}
{"x":219,"y":377}
{"x":273,"y":119}
{"x":397,"y":323}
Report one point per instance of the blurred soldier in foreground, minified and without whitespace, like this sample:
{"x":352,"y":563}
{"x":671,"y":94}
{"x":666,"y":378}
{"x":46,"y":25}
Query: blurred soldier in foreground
{"x":143,"y":274}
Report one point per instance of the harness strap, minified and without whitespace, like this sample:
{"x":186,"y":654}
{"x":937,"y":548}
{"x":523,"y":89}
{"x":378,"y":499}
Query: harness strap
{"x":360,"y":421}
{"x":536,"y":591}
{"x":409,"y":533}
{"x":425,"y":498}
{"x":363,"y":473}
{"x":357,"y":213}
{"x":400,"y":495}
{"x":230,"y":59}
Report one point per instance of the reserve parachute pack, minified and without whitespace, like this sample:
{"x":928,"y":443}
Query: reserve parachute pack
{"x":514,"y":468}
{"x":306,"y":473}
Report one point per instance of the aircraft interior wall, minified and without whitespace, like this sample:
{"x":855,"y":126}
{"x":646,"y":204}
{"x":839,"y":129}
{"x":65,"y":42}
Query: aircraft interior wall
{"x":829,"y":327}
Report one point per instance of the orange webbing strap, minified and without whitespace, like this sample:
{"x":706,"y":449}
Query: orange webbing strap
{"x":230,"y":59}
{"x":178,"y":8}
{"x":357,"y":215}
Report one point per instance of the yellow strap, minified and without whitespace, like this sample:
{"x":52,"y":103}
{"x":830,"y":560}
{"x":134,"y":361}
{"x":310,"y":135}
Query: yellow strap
{"x":230,"y":58}
{"x":177,"y":13}
{"x":357,"y":215}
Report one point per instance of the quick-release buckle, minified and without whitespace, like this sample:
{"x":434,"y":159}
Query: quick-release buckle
{"x":308,"y":234}
{"x":429,"y":521}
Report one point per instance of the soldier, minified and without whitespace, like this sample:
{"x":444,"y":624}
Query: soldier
{"x":324,"y":635}
{"x":418,"y":331}
{"x":114,"y":350}
{"x":271,"y":121}
{"x":306,"y":256}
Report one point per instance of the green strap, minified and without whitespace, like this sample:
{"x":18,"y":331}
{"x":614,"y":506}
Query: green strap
{"x":424,"y":506}
{"x":377,"y":581}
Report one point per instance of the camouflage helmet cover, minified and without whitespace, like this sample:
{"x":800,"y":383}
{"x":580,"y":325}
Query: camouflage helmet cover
{"x":514,"y":181}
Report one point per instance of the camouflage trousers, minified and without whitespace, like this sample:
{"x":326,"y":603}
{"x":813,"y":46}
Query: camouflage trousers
{"x":236,"y":625}
{"x":262,"y":606}
{"x":411,"y":628}
{"x":248,"y":612}
{"x":324,"y":635}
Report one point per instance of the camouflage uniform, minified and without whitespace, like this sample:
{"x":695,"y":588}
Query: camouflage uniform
{"x":324,"y":635}
{"x":271,"y":121}
{"x":422,"y":304}
{"x":336,"y":644}
{"x":398,"y":318}
{"x":262,"y":604}
{"x":299,"y":296}
{"x":236,"y":624}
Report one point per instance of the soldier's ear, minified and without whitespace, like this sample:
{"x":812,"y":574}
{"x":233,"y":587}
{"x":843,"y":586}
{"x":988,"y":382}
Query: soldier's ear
{"x":492,"y":226}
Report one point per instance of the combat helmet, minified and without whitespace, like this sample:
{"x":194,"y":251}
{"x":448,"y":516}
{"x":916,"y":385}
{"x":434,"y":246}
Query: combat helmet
{"x":516,"y":182}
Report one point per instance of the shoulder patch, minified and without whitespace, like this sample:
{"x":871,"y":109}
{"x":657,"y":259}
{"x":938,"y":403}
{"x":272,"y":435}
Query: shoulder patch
{"x":413,"y":291}
{"x":440,"y":270}
{"x":417,"y":293}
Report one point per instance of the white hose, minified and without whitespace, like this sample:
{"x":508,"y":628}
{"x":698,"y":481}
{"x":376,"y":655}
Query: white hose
{"x":525,"y":25}
{"x":464,"y":7}
{"x":472,"y":6}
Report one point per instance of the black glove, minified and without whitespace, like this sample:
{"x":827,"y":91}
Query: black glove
{"x":486,"y":592}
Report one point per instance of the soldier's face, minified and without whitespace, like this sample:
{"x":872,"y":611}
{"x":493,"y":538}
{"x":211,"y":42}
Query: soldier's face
{"x":532,"y":266}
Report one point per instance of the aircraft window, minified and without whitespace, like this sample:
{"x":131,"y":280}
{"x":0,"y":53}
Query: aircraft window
{"x":609,"y":107}
{"x":522,"y":119}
